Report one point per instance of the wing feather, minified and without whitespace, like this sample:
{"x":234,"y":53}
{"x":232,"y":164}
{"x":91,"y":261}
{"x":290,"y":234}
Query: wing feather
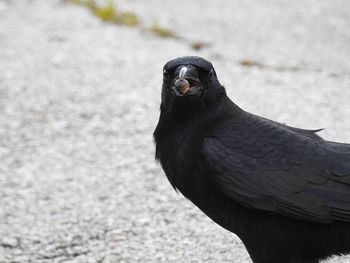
{"x":271,"y":167}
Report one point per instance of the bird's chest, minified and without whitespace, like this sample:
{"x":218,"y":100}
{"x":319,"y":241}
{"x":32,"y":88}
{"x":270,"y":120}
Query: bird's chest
{"x":181,"y":163}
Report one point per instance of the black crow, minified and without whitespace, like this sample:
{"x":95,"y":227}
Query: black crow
{"x":283,"y":190}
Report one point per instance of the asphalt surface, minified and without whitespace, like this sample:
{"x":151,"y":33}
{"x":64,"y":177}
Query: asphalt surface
{"x":79,"y":100}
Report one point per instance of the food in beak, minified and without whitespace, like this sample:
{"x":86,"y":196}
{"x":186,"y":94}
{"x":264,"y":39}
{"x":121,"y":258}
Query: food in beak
{"x":181,"y":86}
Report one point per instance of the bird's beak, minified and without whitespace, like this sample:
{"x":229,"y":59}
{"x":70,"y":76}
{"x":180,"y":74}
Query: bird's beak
{"x":187,"y":82}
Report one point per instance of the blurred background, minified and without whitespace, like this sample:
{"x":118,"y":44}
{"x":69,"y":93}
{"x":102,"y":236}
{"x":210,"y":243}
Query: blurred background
{"x":80,"y":85}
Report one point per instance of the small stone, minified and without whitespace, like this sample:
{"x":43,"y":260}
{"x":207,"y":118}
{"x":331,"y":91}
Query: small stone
{"x":9,"y":242}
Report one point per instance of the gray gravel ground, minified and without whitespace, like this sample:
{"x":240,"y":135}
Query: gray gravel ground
{"x":79,"y":101}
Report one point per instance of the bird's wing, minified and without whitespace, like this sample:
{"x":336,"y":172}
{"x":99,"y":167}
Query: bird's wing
{"x":308,"y":133}
{"x":265,"y":166}
{"x":340,"y":147}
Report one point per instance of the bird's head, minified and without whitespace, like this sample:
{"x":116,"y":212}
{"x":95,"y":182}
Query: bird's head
{"x":189,"y":81}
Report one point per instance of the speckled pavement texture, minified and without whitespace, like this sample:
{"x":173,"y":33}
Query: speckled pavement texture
{"x":79,"y":101}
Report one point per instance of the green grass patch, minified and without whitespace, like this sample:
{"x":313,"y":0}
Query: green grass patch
{"x":157,"y":30}
{"x":108,"y":12}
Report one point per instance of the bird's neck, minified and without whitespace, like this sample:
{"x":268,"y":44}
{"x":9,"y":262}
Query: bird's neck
{"x":192,"y":119}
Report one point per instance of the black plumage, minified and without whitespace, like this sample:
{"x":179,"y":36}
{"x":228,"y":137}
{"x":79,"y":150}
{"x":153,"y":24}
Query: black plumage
{"x":284,"y":191}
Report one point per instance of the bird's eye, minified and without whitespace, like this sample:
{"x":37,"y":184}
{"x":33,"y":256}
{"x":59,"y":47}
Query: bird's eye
{"x":211,"y":74}
{"x":165,"y":72}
